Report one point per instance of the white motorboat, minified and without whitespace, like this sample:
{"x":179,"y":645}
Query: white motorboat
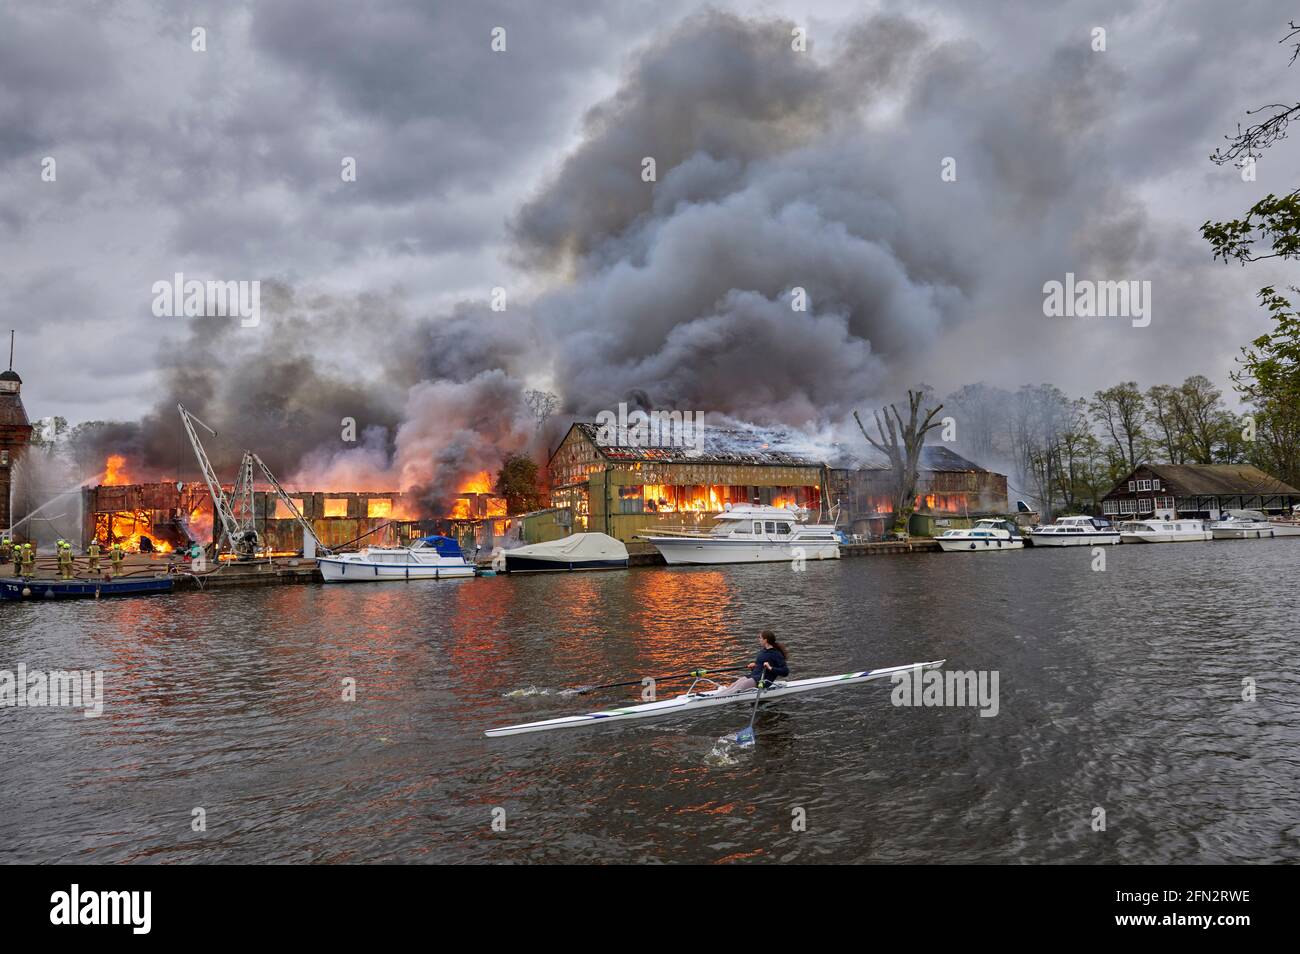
{"x":1286,"y":526}
{"x":750,"y":534}
{"x":1161,"y":530}
{"x":1074,"y":532}
{"x":579,"y":551}
{"x":429,"y":558}
{"x":1243,"y":525}
{"x":989,"y":533}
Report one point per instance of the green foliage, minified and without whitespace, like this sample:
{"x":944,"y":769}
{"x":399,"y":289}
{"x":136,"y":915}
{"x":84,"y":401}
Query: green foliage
{"x":1272,"y":223}
{"x":1268,"y":378}
{"x":517,"y":482}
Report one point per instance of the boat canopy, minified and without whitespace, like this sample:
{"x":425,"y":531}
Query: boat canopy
{"x":575,"y":548}
{"x":445,"y":546}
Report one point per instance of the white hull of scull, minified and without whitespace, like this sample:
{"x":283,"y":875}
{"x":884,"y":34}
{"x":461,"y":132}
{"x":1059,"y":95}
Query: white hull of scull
{"x":690,"y":701}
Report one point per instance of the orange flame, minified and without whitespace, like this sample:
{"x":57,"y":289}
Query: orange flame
{"x":129,"y":528}
{"x":115,"y":471}
{"x":480,"y":483}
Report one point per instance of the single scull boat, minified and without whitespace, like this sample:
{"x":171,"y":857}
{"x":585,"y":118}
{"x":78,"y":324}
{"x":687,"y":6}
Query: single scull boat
{"x":690,"y":700}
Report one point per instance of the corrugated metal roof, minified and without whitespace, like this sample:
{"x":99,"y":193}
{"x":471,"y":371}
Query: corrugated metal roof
{"x":720,"y":446}
{"x":761,"y":445}
{"x":934,"y":458}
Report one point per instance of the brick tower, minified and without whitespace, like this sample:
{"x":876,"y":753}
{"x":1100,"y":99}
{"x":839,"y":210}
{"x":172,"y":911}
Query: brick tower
{"x":15,"y":434}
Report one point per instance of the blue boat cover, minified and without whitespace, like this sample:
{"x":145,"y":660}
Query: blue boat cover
{"x":445,"y":546}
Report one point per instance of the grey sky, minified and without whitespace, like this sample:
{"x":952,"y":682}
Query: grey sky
{"x":519,"y":169}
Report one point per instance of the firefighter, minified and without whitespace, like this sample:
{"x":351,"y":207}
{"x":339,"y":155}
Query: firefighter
{"x":6,"y":548}
{"x":115,"y":556}
{"x":29,"y":560}
{"x":65,"y":560}
{"x":92,"y":552}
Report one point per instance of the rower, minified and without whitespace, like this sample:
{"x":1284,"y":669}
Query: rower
{"x":767,"y":665}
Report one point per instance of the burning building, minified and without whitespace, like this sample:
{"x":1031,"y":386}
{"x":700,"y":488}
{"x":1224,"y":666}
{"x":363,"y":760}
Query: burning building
{"x":620,"y":490}
{"x":948,"y":485}
{"x":163,"y":516}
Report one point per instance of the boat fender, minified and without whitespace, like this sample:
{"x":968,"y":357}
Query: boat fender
{"x":27,"y":591}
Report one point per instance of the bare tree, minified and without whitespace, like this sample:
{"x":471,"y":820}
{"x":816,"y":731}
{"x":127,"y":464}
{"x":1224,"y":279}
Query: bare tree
{"x":543,"y":404}
{"x":901,"y":443}
{"x":981,"y":410}
{"x":1249,"y":143}
{"x":1122,"y":412}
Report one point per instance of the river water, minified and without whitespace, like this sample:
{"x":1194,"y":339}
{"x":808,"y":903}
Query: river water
{"x":1119,"y":690}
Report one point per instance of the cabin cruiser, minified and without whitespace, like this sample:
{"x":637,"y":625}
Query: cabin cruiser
{"x":750,"y":534}
{"x":579,"y":551}
{"x":989,"y":533}
{"x":428,"y":558}
{"x":1288,"y":526}
{"x":1242,"y":525}
{"x":1163,"y":530}
{"x":1074,"y":532}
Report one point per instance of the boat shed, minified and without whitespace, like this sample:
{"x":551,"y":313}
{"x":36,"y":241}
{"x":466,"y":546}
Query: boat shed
{"x":947,"y":486}
{"x":616,"y":487}
{"x":1197,"y":490}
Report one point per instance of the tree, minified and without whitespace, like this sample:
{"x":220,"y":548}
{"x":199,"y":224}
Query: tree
{"x":1041,"y":416}
{"x":1160,"y":412}
{"x":1122,"y":413}
{"x":901,"y":443}
{"x":980,"y":412}
{"x":517,"y":482}
{"x":543,"y":404}
{"x":1268,"y":378}
{"x":1200,"y":417}
{"x":48,"y":433}
{"x":1250,"y":143}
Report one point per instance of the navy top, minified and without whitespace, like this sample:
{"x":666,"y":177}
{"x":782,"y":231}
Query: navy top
{"x":779,"y":668}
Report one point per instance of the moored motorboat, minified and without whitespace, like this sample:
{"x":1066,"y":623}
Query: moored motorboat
{"x":1160,"y":530}
{"x":750,"y":534}
{"x":989,"y":533}
{"x":1074,"y":532}
{"x":1285,"y":526}
{"x":580,"y":551}
{"x":1243,"y":525}
{"x":429,"y":558}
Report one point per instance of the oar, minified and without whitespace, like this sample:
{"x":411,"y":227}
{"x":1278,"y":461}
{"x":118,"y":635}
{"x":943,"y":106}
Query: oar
{"x":693,"y":674}
{"x":746,"y":735}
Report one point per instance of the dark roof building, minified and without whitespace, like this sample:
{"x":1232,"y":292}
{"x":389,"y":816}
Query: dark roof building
{"x":1204,"y":490}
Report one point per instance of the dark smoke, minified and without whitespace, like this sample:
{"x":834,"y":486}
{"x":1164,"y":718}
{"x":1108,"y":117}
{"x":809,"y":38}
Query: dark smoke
{"x":777,"y":171}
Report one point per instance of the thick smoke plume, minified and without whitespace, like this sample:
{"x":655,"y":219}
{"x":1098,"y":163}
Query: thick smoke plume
{"x":780,"y":174}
